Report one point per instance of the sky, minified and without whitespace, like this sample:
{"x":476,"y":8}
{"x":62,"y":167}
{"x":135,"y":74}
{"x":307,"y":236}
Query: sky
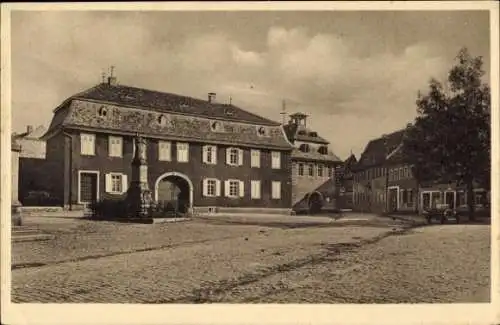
{"x":356,"y":73}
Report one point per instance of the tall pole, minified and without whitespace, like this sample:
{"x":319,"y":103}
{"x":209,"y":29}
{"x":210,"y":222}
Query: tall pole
{"x":283,"y":112}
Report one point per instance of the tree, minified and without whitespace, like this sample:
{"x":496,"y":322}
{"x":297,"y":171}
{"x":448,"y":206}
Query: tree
{"x":450,"y":139}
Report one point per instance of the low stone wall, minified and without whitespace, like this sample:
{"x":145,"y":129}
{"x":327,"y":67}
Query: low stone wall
{"x":228,"y":210}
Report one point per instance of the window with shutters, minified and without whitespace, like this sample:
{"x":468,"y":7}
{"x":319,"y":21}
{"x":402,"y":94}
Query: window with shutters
{"x":301,"y":169}
{"x":330,"y":172}
{"x":182,"y":152}
{"x":115,"y":146}
{"x":211,"y":187}
{"x":276,"y":160}
{"x":276,"y":190}
{"x":401,"y":173}
{"x":255,"y":158}
{"x":210,"y":155}
{"x":87,"y":144}
{"x":311,"y":170}
{"x":116,"y":183}
{"x":255,"y":189}
{"x":234,"y":188}
{"x":164,"y":151}
{"x":234,"y":156}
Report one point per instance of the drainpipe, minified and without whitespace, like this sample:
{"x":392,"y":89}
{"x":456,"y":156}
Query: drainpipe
{"x":67,"y":135}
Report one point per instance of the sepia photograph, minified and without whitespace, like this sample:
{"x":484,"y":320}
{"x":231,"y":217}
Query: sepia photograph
{"x":265,"y":155}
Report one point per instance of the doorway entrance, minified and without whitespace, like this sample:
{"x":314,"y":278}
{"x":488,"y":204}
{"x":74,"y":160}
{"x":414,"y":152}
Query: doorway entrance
{"x":174,"y":192}
{"x":315,"y":202}
{"x":88,"y":184}
{"x":393,"y":199}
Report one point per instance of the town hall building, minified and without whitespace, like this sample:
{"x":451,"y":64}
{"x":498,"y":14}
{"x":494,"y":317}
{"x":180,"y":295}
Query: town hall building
{"x":313,"y":168}
{"x":203,"y":155}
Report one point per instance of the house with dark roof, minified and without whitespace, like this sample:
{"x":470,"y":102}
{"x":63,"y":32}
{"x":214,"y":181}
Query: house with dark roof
{"x":382,"y":181}
{"x":313,"y":167}
{"x":344,"y":182}
{"x":202,"y":155}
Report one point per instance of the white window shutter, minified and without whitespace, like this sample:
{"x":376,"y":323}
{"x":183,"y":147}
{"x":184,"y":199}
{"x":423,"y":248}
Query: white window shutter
{"x":187,"y":152}
{"x":226,"y":188}
{"x":214,"y":154}
{"x":204,"y":186}
{"x":217,"y":187}
{"x":124,"y":183}
{"x":205,"y":154}
{"x":240,"y":157}
{"x":257,"y":159}
{"x":108,"y":183}
{"x":228,"y":156}
{"x":242,"y":189}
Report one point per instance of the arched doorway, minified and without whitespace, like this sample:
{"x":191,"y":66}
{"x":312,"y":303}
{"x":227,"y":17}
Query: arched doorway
{"x":315,"y":202}
{"x":174,"y":191}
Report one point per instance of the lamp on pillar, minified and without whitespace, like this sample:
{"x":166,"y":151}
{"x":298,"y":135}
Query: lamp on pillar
{"x":139,"y":197}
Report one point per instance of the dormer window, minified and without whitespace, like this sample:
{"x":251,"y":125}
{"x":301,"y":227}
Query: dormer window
{"x":323,"y":150}
{"x":229,"y":112}
{"x":304,"y":147}
{"x":313,"y":134}
{"x":302,"y":133}
{"x":216,"y":126}
{"x":262,"y":131}
{"x":103,"y":112}
{"x":162,"y":120}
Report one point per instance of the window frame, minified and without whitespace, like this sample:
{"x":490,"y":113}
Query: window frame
{"x":273,"y":192}
{"x":253,"y":185}
{"x":164,"y":155}
{"x":275,"y":160}
{"x":84,"y":143}
{"x":111,"y":146}
{"x":255,"y":158}
{"x":182,"y":147}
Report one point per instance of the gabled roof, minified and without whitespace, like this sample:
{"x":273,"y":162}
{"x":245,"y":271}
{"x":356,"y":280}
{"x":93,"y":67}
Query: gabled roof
{"x":168,"y":102}
{"x":36,"y":134}
{"x":379,"y":150}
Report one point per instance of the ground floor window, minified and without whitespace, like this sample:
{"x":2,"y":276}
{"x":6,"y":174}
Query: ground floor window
{"x":409,"y":196}
{"x":234,"y":188}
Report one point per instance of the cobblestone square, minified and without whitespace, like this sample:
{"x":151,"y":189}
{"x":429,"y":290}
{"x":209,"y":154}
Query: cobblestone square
{"x":203,"y":261}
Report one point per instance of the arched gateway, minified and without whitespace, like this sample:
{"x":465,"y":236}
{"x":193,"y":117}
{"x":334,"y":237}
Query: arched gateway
{"x":174,"y":189}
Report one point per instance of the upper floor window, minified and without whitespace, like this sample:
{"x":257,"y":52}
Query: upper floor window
{"x":313,"y":134}
{"x":304,"y":147}
{"x":255,"y":158}
{"x":301,"y":169}
{"x":87,"y":144}
{"x":234,"y":156}
{"x":103,"y":111}
{"x":162,"y":120}
{"x":216,"y":126}
{"x":262,"y":131}
{"x":164,"y":151}
{"x":330,"y":172}
{"x":276,"y":159}
{"x":320,"y":170}
{"x":182,"y":152}
{"x":401,"y":176}
{"x":323,"y":150}
{"x":311,"y":170}
{"x":210,"y":155}
{"x":115,"y":146}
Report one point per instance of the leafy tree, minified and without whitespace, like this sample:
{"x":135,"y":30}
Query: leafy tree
{"x":450,"y":139}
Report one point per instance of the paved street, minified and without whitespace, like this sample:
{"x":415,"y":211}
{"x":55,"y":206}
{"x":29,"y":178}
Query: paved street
{"x":207,"y":261}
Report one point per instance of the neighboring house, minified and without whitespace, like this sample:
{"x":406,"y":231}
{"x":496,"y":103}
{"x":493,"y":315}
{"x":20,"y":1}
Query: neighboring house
{"x":313,"y":167}
{"x":32,"y":162}
{"x":383,"y":182}
{"x":344,"y":182}
{"x":205,"y":155}
{"x":374,"y":177}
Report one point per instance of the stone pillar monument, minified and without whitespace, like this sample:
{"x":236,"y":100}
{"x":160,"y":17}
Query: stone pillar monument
{"x":139,"y":197}
{"x":15,"y":204}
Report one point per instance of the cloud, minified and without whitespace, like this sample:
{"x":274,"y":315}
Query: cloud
{"x":318,"y":73}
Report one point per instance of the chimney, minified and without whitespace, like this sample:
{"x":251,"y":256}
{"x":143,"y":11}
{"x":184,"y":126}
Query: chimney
{"x":29,"y":129}
{"x":111,"y":78}
{"x":211,"y":97}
